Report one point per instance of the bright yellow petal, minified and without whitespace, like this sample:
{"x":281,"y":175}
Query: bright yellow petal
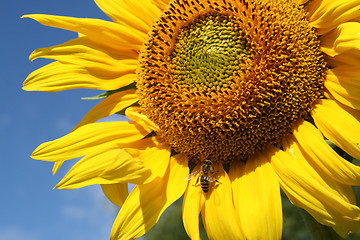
{"x":88,"y":139}
{"x":342,"y":94}
{"x":323,"y":157}
{"x":102,"y":32}
{"x":327,"y":14}
{"x":354,"y":112}
{"x":116,"y":193}
{"x":344,"y":38}
{"x":301,"y":1}
{"x":347,"y":77}
{"x":257,"y":198}
{"x":220,"y":218}
{"x":57,"y":76}
{"x":344,"y":85}
{"x":57,"y":166}
{"x":108,"y":167}
{"x":146,"y":202}
{"x":161,"y":4}
{"x":99,"y":60}
{"x":338,"y":125}
{"x":110,"y":105}
{"x":192,"y":204}
{"x":347,"y":59}
{"x":139,"y":15}
{"x":152,"y":154}
{"x":338,"y":189}
{"x":307,"y":192}
{"x":134,"y":113}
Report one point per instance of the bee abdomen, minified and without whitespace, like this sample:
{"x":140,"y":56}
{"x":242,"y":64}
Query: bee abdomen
{"x":204,"y":184}
{"x":205,"y":187}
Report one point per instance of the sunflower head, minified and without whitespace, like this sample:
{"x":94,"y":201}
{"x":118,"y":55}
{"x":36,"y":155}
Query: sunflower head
{"x":225,"y":79}
{"x":229,"y":84}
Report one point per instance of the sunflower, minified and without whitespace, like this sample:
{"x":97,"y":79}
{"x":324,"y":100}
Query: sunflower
{"x":228,"y":102}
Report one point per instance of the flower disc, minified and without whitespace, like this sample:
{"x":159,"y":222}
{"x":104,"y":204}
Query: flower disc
{"x":224,"y":79}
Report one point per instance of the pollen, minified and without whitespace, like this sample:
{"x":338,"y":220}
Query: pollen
{"x":224,"y":79}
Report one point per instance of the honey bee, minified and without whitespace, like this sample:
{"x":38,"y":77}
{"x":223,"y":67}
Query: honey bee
{"x":206,"y":175}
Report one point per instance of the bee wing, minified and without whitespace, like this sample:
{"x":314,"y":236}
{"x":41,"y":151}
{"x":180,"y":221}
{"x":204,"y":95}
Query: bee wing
{"x":191,"y":175}
{"x":209,"y":178}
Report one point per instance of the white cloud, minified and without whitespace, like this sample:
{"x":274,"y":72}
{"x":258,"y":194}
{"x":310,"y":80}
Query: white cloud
{"x":96,"y":205}
{"x":74,"y":212}
{"x":16,"y":233}
{"x":64,"y":125}
{"x":89,"y":207}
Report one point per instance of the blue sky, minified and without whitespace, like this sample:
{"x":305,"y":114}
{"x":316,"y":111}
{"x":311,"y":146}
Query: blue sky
{"x":29,"y":208}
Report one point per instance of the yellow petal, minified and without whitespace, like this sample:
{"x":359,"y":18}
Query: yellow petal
{"x":57,"y":166}
{"x":338,"y":189}
{"x":257,"y":198}
{"x":301,"y":1}
{"x":102,"y":32}
{"x":346,"y":73}
{"x":347,"y":59}
{"x":146,"y":202}
{"x":220,"y":218}
{"x":110,"y":105}
{"x":338,"y":125}
{"x":57,"y":76}
{"x":192,"y":204}
{"x":327,"y":14}
{"x":101,"y":61}
{"x":306,"y":192}
{"x":116,"y":193}
{"x":139,"y":15}
{"x":90,"y":138}
{"x":161,"y":4}
{"x":354,"y":112}
{"x":344,"y":38}
{"x":108,"y":167}
{"x":134,"y":113}
{"x":343,"y":84}
{"x":323,"y":157}
{"x":153,"y":154}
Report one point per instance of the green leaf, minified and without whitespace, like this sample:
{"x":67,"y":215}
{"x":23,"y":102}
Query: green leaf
{"x":170,"y":225}
{"x":317,"y":230}
{"x":108,"y":93}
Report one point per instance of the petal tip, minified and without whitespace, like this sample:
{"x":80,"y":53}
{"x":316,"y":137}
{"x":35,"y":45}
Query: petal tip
{"x":31,"y":16}
{"x":26,"y":87}
{"x":25,"y":16}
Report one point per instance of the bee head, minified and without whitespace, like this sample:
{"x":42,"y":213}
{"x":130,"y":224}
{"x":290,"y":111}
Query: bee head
{"x":208,"y":162}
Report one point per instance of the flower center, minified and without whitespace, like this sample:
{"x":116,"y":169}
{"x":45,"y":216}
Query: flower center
{"x":224,"y":79}
{"x":208,"y":52}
